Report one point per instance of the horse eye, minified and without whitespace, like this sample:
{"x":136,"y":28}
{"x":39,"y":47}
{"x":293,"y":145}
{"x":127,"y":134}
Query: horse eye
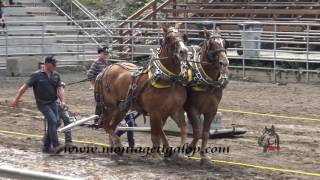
{"x":173,"y":46}
{"x":212,"y":55}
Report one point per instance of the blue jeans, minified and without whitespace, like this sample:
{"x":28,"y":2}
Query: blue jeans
{"x":50,"y":112}
{"x":66,"y":121}
{"x":130,"y":121}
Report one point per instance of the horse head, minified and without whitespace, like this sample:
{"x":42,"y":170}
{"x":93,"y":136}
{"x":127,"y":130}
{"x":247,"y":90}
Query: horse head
{"x":214,"y":51}
{"x":173,"y":45}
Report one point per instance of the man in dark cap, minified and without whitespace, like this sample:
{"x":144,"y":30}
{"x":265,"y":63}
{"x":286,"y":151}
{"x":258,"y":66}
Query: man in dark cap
{"x":93,"y":72}
{"x":98,"y":65}
{"x":46,"y":84}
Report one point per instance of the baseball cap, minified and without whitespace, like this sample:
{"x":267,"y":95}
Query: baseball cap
{"x":50,"y":60}
{"x":104,"y":49}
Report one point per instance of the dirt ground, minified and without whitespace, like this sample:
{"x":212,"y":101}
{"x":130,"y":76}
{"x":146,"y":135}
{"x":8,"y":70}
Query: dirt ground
{"x":299,"y":139}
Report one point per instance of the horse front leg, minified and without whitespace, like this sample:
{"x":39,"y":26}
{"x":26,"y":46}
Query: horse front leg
{"x":183,"y":126}
{"x":208,"y":117}
{"x":194,"y":118}
{"x":156,"y":133}
{"x":180,"y":120}
{"x":164,"y":138}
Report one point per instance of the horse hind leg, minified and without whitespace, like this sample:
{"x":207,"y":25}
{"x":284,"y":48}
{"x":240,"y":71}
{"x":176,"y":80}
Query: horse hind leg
{"x":110,"y":127}
{"x":106,"y":119}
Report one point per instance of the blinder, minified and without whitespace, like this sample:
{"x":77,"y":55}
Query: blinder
{"x":212,"y":55}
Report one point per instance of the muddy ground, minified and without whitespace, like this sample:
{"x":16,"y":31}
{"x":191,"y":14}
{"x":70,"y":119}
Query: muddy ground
{"x":299,"y":139}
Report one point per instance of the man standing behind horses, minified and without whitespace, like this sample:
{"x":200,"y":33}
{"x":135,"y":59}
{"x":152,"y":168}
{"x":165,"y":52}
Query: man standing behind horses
{"x":47,"y":88}
{"x":93,"y":72}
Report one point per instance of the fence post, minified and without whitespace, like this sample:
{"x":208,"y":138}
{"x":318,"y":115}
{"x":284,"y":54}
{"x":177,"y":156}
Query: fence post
{"x":154,"y":8}
{"x":71,"y":2}
{"x":120,"y":46}
{"x":159,"y":35}
{"x":274,"y":52}
{"x":42,"y":41}
{"x":78,"y":48}
{"x":243,"y":56}
{"x":186,"y":27}
{"x":308,"y":47}
{"x":132,"y":40}
{"x":7,"y":43}
{"x":185,"y":8}
{"x":174,"y":6}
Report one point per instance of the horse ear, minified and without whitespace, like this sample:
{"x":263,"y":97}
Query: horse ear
{"x":206,"y":34}
{"x":177,"y":25}
{"x":165,"y":29}
{"x":185,"y":37}
{"x":272,"y":128}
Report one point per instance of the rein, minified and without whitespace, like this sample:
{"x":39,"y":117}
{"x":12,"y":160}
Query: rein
{"x":78,"y":82}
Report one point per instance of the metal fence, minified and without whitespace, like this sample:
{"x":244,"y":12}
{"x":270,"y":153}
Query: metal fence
{"x":274,"y":46}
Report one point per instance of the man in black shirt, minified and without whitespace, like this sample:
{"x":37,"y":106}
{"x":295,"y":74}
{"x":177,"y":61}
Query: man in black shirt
{"x":46,"y":84}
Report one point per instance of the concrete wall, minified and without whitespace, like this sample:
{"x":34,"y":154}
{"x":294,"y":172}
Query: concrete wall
{"x":268,"y":76}
{"x":22,"y":66}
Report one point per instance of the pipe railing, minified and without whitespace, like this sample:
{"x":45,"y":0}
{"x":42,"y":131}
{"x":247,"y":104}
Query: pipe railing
{"x":149,"y":37}
{"x":73,"y":21}
{"x":97,"y":21}
{"x":18,"y":173}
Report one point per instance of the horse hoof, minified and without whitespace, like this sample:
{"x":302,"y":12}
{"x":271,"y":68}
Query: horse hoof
{"x":190,"y":151}
{"x":118,"y":150}
{"x":178,"y":158}
{"x":157,"y":159}
{"x":156,"y":156}
{"x":206,"y":163}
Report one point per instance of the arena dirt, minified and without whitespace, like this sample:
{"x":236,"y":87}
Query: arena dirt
{"x":299,"y":139}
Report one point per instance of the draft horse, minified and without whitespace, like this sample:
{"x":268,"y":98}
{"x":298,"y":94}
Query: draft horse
{"x":205,"y":92}
{"x":121,"y":88}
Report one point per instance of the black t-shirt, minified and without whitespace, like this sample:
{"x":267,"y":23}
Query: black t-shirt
{"x":44,"y":89}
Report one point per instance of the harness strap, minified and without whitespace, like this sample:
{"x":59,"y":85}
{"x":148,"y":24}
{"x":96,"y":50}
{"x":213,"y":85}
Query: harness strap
{"x":124,"y":105}
{"x":200,"y":77}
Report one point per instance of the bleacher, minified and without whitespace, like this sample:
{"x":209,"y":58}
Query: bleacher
{"x":283,"y":10}
{"x":258,"y":10}
{"x":293,"y":11}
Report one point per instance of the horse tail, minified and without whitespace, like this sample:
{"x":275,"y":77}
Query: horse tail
{"x":98,"y":89}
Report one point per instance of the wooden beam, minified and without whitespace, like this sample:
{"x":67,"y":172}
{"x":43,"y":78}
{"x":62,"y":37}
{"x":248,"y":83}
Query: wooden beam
{"x":238,"y":18}
{"x":246,"y":11}
{"x":139,"y":12}
{"x":237,"y":4}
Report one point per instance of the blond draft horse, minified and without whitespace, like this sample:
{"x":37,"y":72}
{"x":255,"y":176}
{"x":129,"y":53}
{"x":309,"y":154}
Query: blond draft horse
{"x":214,"y":62}
{"x":159,"y":104}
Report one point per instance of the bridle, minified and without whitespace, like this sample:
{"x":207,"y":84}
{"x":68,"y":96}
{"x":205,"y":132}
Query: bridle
{"x":172,"y":45}
{"x":212,"y":53}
